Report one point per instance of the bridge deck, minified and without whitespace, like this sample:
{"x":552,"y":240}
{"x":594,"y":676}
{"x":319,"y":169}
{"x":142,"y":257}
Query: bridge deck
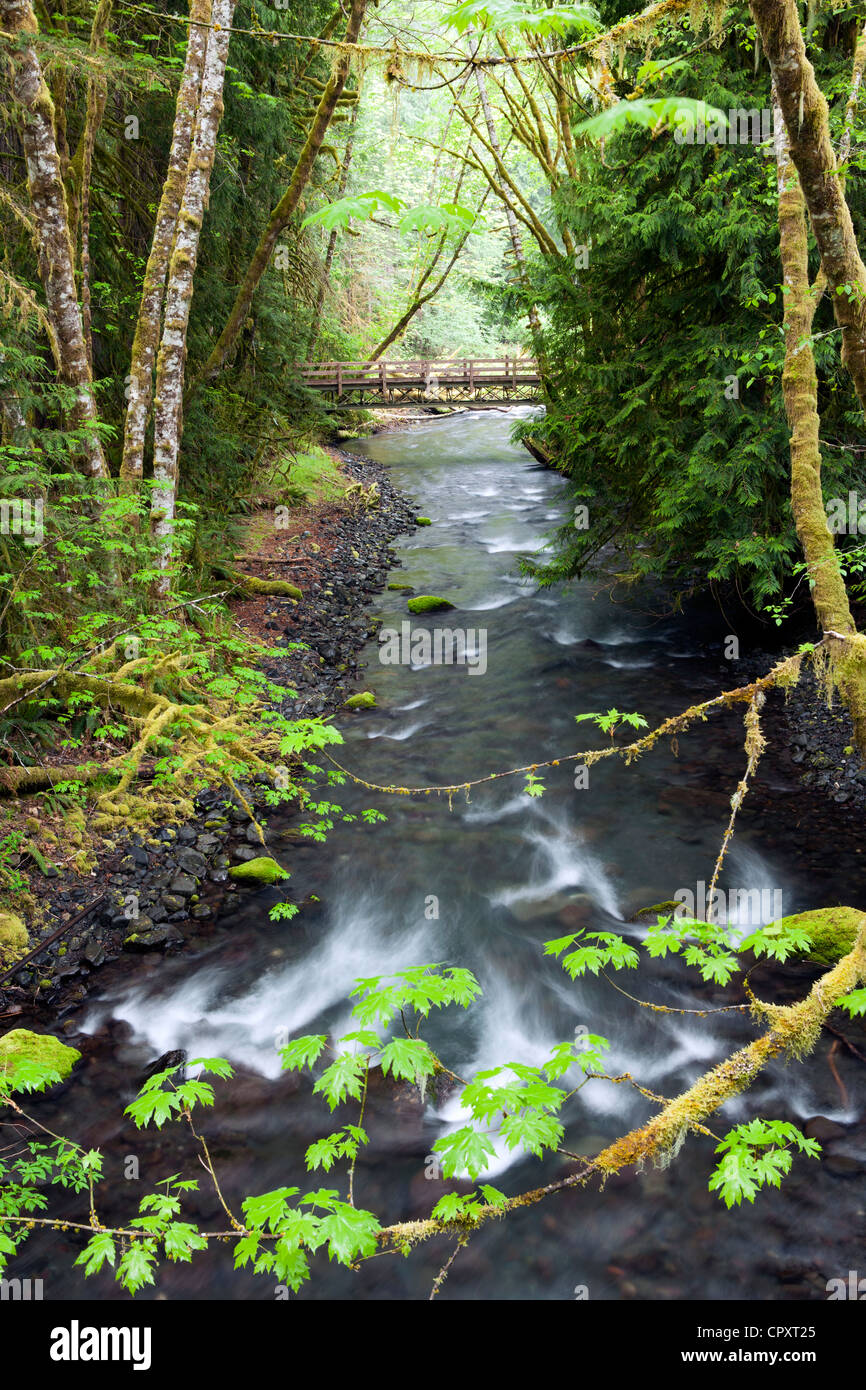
{"x":447,"y":377}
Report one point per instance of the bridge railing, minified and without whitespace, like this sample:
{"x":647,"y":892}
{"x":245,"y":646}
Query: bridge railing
{"x":464,"y":372}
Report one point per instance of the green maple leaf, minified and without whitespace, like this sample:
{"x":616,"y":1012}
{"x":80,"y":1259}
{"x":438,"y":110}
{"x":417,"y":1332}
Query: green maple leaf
{"x":350,"y":1232}
{"x":97,"y":1250}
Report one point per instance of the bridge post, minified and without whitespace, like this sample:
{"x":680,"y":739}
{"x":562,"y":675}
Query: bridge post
{"x":339,"y":380}
{"x":471,"y":377}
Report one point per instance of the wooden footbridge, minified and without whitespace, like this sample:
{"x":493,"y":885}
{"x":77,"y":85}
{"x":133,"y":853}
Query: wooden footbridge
{"x":477,"y":381}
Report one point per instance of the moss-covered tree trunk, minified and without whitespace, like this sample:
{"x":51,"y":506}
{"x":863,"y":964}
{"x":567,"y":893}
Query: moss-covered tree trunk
{"x":846,"y":648}
{"x":51,"y":218}
{"x":806,"y":119}
{"x":146,"y":338}
{"x":287,"y":206}
{"x":97,"y":93}
{"x":800,"y":391}
{"x":168,"y":402}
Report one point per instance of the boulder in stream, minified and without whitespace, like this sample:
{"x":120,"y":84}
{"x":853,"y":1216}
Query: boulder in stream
{"x":262,"y":869}
{"x":428,"y":603}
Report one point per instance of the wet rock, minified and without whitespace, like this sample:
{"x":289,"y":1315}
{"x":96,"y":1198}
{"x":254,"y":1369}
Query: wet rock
{"x":191,"y":862}
{"x":843,"y":1165}
{"x":154,"y":940}
{"x":168,"y":1059}
{"x":364,"y":700}
{"x":262,"y":869}
{"x":822,"y":1129}
{"x":172,"y":902}
{"x":184,"y":885}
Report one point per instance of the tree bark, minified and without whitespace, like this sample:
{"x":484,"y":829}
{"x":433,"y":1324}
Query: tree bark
{"x":806,"y":120}
{"x":845,"y":646}
{"x":144,"y":343}
{"x":50,"y":213}
{"x":800,"y":392}
{"x":513,"y":229}
{"x":286,"y":207}
{"x":332,"y":239}
{"x":97,"y":93}
{"x":168,"y":405}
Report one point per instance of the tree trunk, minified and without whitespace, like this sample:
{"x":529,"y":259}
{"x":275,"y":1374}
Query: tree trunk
{"x":172,"y":352}
{"x":286,"y":207}
{"x":800,"y":392}
{"x":420,"y":298}
{"x":332,"y":239}
{"x":144,"y":343}
{"x":513,"y":229}
{"x":97,"y":92}
{"x":806,"y":119}
{"x":50,"y":213}
{"x":846,"y":648}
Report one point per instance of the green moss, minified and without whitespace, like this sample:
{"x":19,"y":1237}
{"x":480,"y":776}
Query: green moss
{"x":649,"y":915}
{"x":302,"y":479}
{"x":262,"y":870}
{"x":365,"y":700}
{"x":13,"y":939}
{"x":423,"y":521}
{"x":21,"y":1045}
{"x":427,"y":603}
{"x":402,"y":588}
{"x":832,"y":931}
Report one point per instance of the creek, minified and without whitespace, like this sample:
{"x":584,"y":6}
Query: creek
{"x":483,"y":883}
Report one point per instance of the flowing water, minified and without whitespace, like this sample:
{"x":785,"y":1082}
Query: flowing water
{"x":483,"y":883}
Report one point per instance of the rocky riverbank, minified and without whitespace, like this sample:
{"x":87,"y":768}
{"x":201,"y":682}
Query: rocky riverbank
{"x":154,"y":894}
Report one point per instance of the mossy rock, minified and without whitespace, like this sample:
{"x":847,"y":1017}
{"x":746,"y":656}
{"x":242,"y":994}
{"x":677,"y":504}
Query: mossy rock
{"x":403,"y":588}
{"x":13,"y":939}
{"x":423,"y":521}
{"x":23,"y":1046}
{"x":648,"y":916}
{"x":427,"y":603}
{"x":832,"y":931}
{"x":260,"y":870}
{"x":365,"y":700}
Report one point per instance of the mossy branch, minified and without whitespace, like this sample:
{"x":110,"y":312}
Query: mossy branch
{"x":251,"y":585}
{"x":794,"y":1030}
